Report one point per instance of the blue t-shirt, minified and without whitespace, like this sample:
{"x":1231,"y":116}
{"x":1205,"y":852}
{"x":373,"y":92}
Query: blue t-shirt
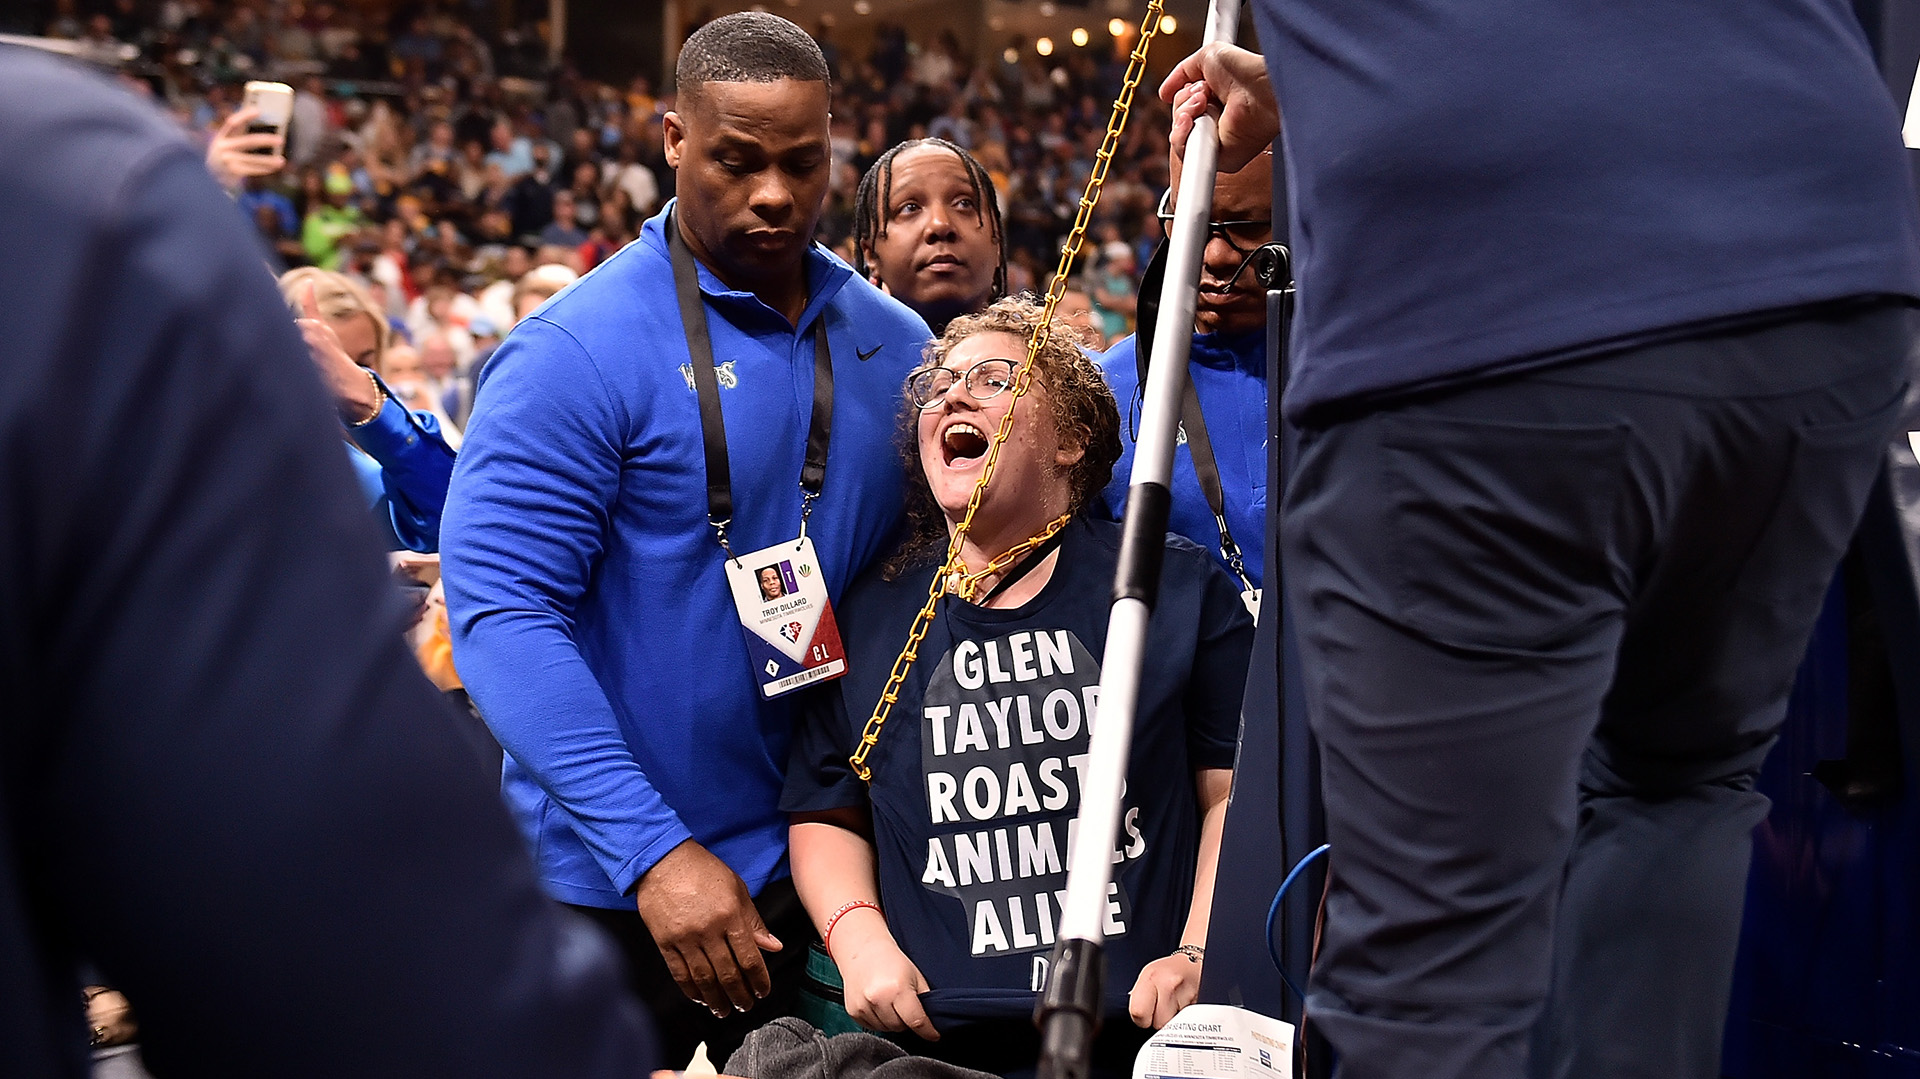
{"x":1487,"y":185}
{"x":1229,"y":373}
{"x":976,"y":776}
{"x":590,"y":613}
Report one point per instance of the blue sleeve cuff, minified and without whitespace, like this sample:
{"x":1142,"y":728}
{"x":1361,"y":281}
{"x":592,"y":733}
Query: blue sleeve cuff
{"x":390,"y":434}
{"x":628,"y":878}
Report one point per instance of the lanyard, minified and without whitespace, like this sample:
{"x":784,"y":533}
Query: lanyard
{"x":1199,"y":445}
{"x":713,"y":428}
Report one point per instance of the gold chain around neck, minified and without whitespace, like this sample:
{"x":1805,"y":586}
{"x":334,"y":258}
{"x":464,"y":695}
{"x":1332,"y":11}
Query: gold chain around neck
{"x":1023,"y":378}
{"x":966,"y":584}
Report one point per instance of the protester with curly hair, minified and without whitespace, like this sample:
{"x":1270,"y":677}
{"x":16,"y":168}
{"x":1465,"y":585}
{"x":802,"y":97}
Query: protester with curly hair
{"x":937,"y":887}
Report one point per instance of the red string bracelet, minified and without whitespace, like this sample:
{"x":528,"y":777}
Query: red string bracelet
{"x":826,"y":938}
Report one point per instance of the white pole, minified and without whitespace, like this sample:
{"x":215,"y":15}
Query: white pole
{"x":1091,"y":860}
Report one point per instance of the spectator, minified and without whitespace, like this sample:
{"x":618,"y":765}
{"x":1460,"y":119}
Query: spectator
{"x":564,"y":230}
{"x":1114,"y":299}
{"x":331,"y":222}
{"x":927,"y":228}
{"x":401,"y":457}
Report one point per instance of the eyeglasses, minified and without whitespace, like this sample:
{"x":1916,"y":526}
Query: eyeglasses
{"x":985,"y":380}
{"x":1243,"y":236}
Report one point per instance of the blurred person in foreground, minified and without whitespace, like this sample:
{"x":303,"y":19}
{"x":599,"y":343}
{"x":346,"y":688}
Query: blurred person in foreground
{"x":592,"y":616}
{"x":400,"y":453}
{"x":229,"y":789}
{"x":1005,"y":687}
{"x":1583,"y":435}
{"x":926,"y":227}
{"x":1227,"y":372}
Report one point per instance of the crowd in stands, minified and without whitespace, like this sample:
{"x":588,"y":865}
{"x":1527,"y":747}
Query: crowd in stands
{"x":438,"y":166}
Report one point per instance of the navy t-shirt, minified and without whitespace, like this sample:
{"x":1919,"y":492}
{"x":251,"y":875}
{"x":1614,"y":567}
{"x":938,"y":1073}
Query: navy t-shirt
{"x":977,"y":773}
{"x":1487,"y":185}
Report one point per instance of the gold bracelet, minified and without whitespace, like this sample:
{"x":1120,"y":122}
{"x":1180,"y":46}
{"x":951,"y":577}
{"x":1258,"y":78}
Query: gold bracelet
{"x":379,"y":399}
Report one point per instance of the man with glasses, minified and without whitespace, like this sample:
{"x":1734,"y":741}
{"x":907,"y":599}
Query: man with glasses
{"x":1229,"y":372}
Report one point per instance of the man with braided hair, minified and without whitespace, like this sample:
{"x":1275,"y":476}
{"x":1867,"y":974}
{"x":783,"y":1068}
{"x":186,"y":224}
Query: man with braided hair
{"x":926,"y":227}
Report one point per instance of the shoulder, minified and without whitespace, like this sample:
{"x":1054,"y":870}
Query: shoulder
{"x":872,"y":600}
{"x":1119,"y":365}
{"x":69,"y":138}
{"x":871,"y":312}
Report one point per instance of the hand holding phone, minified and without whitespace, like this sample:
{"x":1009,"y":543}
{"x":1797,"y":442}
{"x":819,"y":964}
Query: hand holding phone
{"x":237,"y":151}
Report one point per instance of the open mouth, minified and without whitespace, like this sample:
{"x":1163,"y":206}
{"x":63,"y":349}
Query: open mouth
{"x":963,"y":443}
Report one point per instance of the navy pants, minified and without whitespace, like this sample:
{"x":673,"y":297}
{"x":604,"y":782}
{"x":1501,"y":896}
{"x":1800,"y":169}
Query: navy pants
{"x":1549,"y":624}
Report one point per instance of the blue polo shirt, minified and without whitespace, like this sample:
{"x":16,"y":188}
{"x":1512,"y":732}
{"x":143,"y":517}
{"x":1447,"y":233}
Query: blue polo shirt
{"x":590,"y":615}
{"x":1229,"y":373}
{"x":1482,"y":186}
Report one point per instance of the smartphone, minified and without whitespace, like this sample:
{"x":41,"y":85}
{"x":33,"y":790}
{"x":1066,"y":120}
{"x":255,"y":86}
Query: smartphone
{"x":274,"y":100}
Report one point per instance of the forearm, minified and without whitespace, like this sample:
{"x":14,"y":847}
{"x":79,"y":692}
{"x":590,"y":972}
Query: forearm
{"x":1212,"y":786}
{"x":833,"y":865}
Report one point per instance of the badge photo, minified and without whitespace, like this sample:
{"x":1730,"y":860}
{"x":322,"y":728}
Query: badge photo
{"x":780,"y":595}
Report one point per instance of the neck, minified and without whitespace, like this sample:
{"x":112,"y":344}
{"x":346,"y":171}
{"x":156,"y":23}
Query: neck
{"x":992,"y":536}
{"x":785,"y":292}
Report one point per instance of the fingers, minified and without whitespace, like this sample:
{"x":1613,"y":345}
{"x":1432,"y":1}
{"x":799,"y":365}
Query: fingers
{"x":682,"y":976}
{"x":310,"y":302}
{"x":1140,"y":1002}
{"x":1188,"y":71}
{"x":738,"y":973}
{"x":702,"y":984}
{"x":237,"y":121}
{"x":912,"y":1015}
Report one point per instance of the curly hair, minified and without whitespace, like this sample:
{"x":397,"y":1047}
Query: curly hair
{"x":1082,"y":407}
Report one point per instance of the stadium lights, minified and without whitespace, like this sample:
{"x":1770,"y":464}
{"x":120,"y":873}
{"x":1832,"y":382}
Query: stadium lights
{"x":861,"y":7}
{"x":1044,"y":46}
{"x":1080,"y":36}
{"x":1011,"y":56}
{"x":1168,"y":24}
{"x":1118,"y":28}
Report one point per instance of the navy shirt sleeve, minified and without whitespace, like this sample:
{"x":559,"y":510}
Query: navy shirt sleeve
{"x":819,"y":774}
{"x":1220,"y":658}
{"x":228,"y":785}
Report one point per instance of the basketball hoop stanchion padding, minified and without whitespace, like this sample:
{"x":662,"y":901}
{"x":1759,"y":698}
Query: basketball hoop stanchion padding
{"x":1070,"y":1007}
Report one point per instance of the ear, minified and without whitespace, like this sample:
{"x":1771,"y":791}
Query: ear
{"x":673,"y":137}
{"x":1069,"y":454}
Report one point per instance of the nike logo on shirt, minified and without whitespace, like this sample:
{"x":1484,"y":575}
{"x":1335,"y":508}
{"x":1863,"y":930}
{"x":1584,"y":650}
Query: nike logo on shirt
{"x":868,"y":354}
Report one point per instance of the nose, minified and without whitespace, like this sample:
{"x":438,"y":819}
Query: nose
{"x":1219,"y":258}
{"x":772,"y":200}
{"x":939,"y":224}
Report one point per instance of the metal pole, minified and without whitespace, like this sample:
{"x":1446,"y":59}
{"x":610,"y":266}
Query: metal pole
{"x":1070,"y":1008}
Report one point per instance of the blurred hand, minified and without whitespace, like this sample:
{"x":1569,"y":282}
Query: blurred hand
{"x":1165,"y":986}
{"x":1233,"y":81}
{"x":709,"y":933}
{"x":353,"y":391}
{"x":881,"y":985}
{"x":109,"y":1017}
{"x":234,"y":155}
